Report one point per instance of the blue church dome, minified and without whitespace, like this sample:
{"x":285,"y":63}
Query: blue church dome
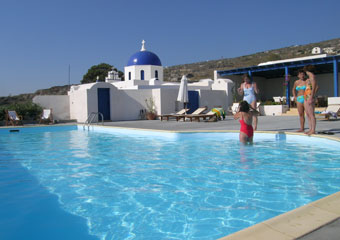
{"x":144,"y":58}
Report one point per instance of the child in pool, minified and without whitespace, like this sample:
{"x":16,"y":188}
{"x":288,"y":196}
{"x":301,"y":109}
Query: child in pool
{"x":246,"y":118}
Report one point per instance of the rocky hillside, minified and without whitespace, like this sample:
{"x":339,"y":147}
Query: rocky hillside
{"x":22,"y":98}
{"x":201,"y":70}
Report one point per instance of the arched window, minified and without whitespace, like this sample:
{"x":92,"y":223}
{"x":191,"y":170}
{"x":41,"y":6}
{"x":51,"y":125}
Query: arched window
{"x":129,"y":75}
{"x":156,"y":74}
{"x":142,"y":75}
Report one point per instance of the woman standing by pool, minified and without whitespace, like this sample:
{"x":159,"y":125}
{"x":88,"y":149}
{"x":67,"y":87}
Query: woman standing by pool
{"x":248,"y":88}
{"x":310,"y":93}
{"x":298,"y":93}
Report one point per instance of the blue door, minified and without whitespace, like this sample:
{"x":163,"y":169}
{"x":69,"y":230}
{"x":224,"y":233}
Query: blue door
{"x":193,"y":101}
{"x":104,"y":103}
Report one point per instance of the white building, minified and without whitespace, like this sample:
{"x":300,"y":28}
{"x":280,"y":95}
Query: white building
{"x":123,"y":100}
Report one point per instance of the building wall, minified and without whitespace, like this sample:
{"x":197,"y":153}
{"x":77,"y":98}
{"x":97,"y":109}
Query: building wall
{"x":126,"y":104}
{"x":273,"y":87}
{"x":78,"y":105}
{"x":226,"y":85}
{"x":84,"y":100}
{"x":60,"y":105}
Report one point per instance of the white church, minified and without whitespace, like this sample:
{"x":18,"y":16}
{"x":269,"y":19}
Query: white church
{"x":119,"y":100}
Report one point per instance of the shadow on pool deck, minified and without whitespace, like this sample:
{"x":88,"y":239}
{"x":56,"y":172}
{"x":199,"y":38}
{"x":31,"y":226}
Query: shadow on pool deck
{"x":265,"y":123}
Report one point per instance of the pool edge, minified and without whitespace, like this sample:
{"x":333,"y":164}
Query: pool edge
{"x":294,"y":224}
{"x":218,"y":131}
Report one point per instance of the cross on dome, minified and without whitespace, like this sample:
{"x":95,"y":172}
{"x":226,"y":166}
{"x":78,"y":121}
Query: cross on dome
{"x":143,"y":46}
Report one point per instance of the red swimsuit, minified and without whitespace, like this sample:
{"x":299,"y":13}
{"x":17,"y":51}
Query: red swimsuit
{"x":247,"y":129}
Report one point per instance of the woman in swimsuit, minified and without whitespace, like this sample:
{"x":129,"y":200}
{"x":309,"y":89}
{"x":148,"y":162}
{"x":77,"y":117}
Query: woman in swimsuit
{"x":310,"y":93}
{"x":246,"y":119}
{"x":248,"y":88}
{"x":298,"y":93}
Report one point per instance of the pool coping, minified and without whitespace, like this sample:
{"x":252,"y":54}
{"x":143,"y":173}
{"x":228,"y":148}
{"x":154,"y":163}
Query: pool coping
{"x":295,"y":223}
{"x":290,"y":225}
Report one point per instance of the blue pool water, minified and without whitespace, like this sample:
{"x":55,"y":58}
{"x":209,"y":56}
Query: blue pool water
{"x":65,"y":183}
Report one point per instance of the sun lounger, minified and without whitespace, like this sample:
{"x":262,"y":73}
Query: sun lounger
{"x":331,"y":111}
{"x":46,"y":116}
{"x":13,"y":118}
{"x":196,"y":112}
{"x":173,"y":115}
{"x":210,"y":116}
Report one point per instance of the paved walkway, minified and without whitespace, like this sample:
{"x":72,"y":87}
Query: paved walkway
{"x":265,"y":123}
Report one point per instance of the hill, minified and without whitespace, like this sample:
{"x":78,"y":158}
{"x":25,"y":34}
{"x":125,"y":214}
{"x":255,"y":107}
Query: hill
{"x":203,"y":70}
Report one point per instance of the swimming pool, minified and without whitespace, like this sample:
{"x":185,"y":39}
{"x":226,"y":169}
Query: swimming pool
{"x":129,"y":184}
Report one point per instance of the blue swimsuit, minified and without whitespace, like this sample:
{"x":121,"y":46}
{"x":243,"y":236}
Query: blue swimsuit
{"x":301,"y":98}
{"x":249,"y":94}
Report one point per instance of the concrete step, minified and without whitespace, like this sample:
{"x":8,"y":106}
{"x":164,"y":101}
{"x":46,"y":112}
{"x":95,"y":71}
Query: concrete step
{"x":294,"y":111}
{"x":291,"y":112}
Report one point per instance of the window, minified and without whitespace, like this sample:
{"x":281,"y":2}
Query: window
{"x":129,"y":75}
{"x":156,"y":74}
{"x":142,"y":75}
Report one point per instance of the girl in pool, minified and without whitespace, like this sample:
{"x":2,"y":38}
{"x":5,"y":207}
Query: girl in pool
{"x":246,"y":118}
{"x":248,"y":88}
{"x":298,"y":93}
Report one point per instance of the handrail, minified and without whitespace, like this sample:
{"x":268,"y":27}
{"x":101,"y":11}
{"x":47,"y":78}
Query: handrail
{"x":91,"y":117}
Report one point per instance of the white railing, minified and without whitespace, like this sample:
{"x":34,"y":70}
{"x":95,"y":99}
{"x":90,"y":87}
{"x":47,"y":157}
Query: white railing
{"x":92,"y":116}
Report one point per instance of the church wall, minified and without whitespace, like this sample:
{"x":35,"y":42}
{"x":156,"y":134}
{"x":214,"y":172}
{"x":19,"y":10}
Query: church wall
{"x":60,"y":105}
{"x":226,"y":85}
{"x":149,"y":72}
{"x":213,"y":98}
{"x":126,"y":104}
{"x":167,"y":101}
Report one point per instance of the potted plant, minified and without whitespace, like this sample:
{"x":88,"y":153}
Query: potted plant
{"x":151,"y":113}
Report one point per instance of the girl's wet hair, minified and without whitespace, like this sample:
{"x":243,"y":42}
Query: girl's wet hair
{"x":244,"y":106}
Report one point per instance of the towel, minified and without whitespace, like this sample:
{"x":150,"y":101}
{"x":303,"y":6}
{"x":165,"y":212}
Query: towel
{"x":220,"y":113}
{"x":333,"y":114}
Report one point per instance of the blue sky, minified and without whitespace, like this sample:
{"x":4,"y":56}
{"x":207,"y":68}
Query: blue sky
{"x":40,"y":38}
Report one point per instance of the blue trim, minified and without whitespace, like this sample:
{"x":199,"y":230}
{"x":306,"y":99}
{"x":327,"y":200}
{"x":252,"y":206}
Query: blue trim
{"x":295,"y":64}
{"x":335,"y":75}
{"x":250,"y":75}
{"x":287,"y":86}
{"x":142,"y":75}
